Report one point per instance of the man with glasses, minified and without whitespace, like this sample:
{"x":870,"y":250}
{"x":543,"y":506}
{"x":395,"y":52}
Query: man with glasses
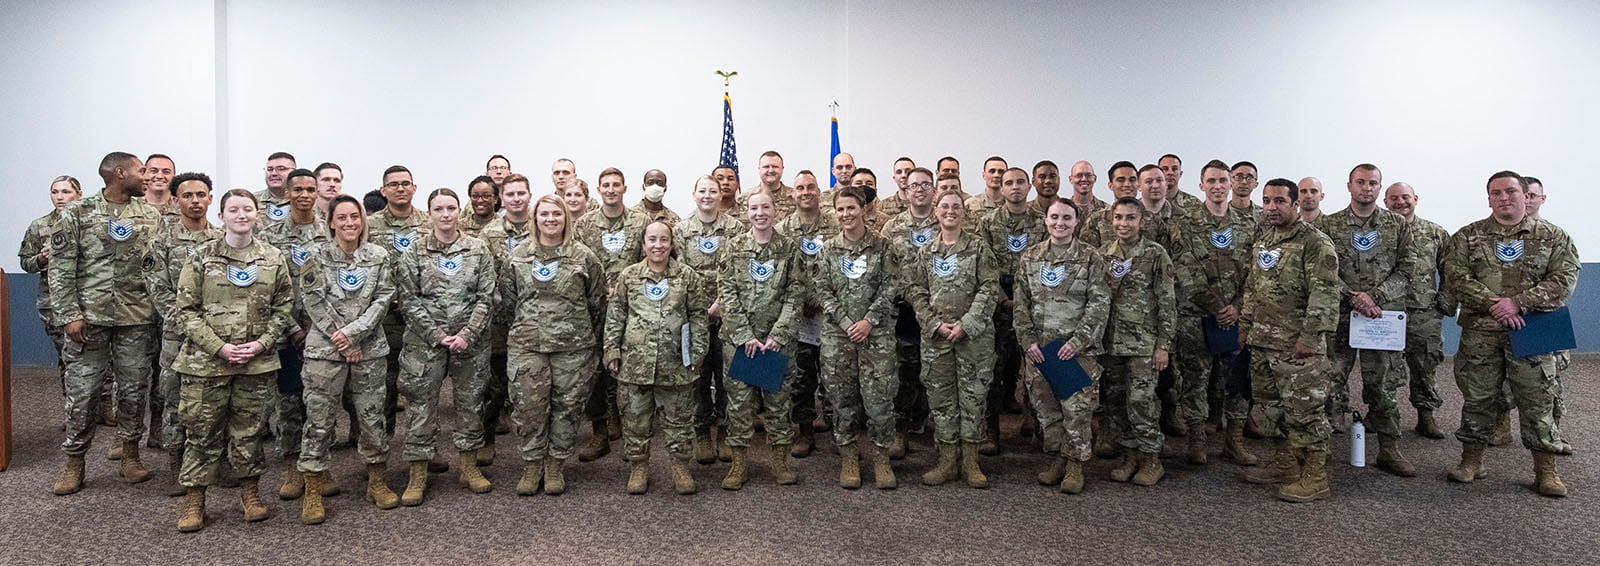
{"x":1082,"y":177}
{"x":275,"y":198}
{"x":497,"y":168}
{"x":395,"y":229}
{"x":1244,"y":185}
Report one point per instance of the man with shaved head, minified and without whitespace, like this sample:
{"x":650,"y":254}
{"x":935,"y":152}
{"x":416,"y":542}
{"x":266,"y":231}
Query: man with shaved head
{"x":1426,"y":306}
{"x":1310,"y":199}
{"x":1082,"y":178}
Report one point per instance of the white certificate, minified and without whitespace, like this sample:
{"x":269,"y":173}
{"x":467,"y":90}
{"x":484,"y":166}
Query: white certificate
{"x":1387,"y":332}
{"x":684,"y":342}
{"x":810,"y":331}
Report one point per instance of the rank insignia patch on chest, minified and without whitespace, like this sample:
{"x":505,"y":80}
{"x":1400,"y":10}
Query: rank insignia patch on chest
{"x":1222,"y":239}
{"x":242,"y":277}
{"x":1508,"y":251}
{"x":448,"y":265}
{"x":811,"y":246}
{"x":277,"y":211}
{"x":120,"y":230}
{"x":1268,"y":259}
{"x":353,"y":279}
{"x":1363,"y":241}
{"x":1016,"y":243}
{"x":1120,"y":268}
{"x":763,"y":270}
{"x":613,"y":241}
{"x":853,"y":268}
{"x":1052,"y":276}
{"x":512,"y":243}
{"x":921,"y":237}
{"x":299,"y":255}
{"x":946,"y":267}
{"x":544,"y":272}
{"x":655,"y":291}
{"x":188,"y":251}
{"x":708,"y":244}
{"x":402,"y":241}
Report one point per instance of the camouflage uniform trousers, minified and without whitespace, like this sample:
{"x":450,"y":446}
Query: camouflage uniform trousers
{"x":675,"y":404}
{"x":743,"y":400}
{"x":808,"y":379}
{"x":1292,"y":392}
{"x":1424,"y":353}
{"x":423,"y":370}
{"x":496,"y":400}
{"x":1380,"y":381}
{"x":602,"y":398}
{"x":118,"y":353}
{"x":1483,"y":365}
{"x":711,"y":400}
{"x":911,"y":401}
{"x":395,"y":335}
{"x":291,"y":403}
{"x":1007,"y":361}
{"x":957,"y":376}
{"x":1064,"y":425}
{"x":1198,"y":373}
{"x":223,"y":413}
{"x":326,"y":383}
{"x":549,"y":389}
{"x":1131,"y":402}
{"x":861,"y":383}
{"x":173,"y":435}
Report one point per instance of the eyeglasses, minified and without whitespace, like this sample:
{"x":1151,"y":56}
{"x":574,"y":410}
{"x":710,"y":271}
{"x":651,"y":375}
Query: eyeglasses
{"x":279,"y":169}
{"x":397,"y":185}
{"x":1244,"y":177}
{"x":499,"y":168}
{"x":920,"y":185}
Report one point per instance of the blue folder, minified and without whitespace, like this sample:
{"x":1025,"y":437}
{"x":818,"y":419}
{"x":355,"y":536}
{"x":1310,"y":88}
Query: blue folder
{"x":1066,"y":377}
{"x":1543,"y":333}
{"x":1238,"y":380}
{"x":1220,"y":339}
{"x":765,"y":371}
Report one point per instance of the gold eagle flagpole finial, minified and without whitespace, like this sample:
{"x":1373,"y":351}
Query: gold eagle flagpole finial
{"x":725,"y":76}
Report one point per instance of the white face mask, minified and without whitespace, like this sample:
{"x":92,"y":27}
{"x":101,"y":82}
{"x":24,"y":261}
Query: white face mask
{"x":653,"y":193}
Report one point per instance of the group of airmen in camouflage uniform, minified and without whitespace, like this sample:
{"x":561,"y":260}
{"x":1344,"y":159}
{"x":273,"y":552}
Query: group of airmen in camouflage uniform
{"x":922,"y":304}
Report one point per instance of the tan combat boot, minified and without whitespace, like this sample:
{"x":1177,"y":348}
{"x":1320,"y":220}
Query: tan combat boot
{"x":1150,"y":470}
{"x":1427,"y":426}
{"x":484,"y":456}
{"x":250,"y":500}
{"x":613,"y":422}
{"x":294,"y":484}
{"x":71,"y":479}
{"x":946,"y":470}
{"x":1502,"y":431}
{"x":192,"y":517}
{"x":311,"y":510}
{"x":1471,"y":467}
{"x":737,"y":472}
{"x":704,"y":453}
{"x":969,"y":467}
{"x":897,"y":449}
{"x":132,"y":470}
{"x":804,"y":442}
{"x":1072,"y":478}
{"x":598,"y":445}
{"x":471,"y":476}
{"x":532,"y":475}
{"x":991,"y":441}
{"x":1284,"y":467}
{"x":781,"y":473}
{"x":175,"y":466}
{"x":114,"y":453}
{"x":1197,"y":445}
{"x":416,"y":484}
{"x":1126,"y":468}
{"x":1052,"y":475}
{"x":724,"y":452}
{"x":638,"y":477}
{"x":1233,"y":447}
{"x":682,"y":481}
{"x":555,"y":481}
{"x":1391,"y":460}
{"x":882,"y":473}
{"x":1545,"y":479}
{"x":849,"y":467}
{"x":1313,"y":482}
{"x":437,"y":464}
{"x":1104,"y":433}
{"x":378,"y":492}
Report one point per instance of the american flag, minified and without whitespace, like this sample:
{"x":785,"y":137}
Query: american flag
{"x":730,"y":150}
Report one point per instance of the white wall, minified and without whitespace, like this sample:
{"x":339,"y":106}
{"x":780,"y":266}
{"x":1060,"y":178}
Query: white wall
{"x":1439,"y":94}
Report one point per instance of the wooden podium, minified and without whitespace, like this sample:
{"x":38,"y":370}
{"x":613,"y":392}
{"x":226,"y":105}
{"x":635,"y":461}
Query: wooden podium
{"x":5,"y":372}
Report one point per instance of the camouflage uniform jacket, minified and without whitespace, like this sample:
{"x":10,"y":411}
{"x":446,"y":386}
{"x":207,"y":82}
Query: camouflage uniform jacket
{"x":906,"y":234}
{"x":1144,"y":308}
{"x":1534,"y":263}
{"x":760,"y":289}
{"x":1061,"y":293}
{"x":957,"y":282}
{"x":1095,"y":206}
{"x":1214,"y":259}
{"x":446,"y":289}
{"x":978,"y":208}
{"x":893,"y":205}
{"x":1185,"y":202}
{"x":472,"y":226}
{"x":1292,"y":290}
{"x":1009,"y":234}
{"x":664,"y":216}
{"x":783,"y":203}
{"x":297,"y":241}
{"x":809,"y":237}
{"x":38,"y":234}
{"x":856,"y":281}
{"x":1374,"y":255}
{"x":501,"y":235}
{"x":349,"y":293}
{"x":274,"y":209}
{"x":395,"y":234}
{"x":229,"y":295}
{"x":558,"y":294}
{"x":1423,"y":289}
{"x":172,"y":249}
{"x":96,"y":257}
{"x":617,"y":242}
{"x":646,"y":318}
{"x":699,"y":245}
{"x":1097,"y":230}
